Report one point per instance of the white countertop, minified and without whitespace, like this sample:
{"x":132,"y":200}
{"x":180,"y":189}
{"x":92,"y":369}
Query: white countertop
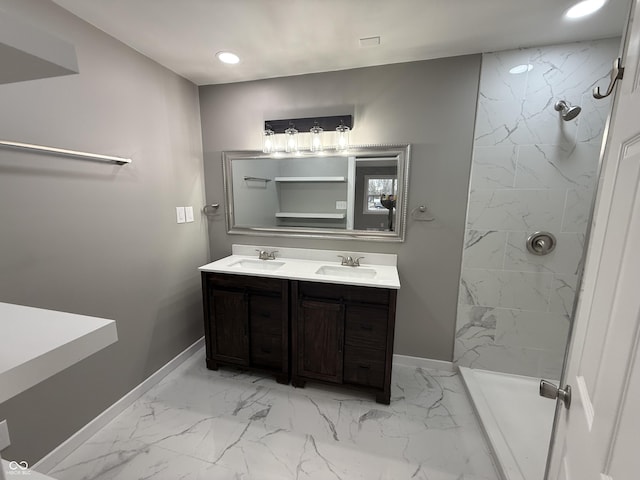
{"x":38,"y":343}
{"x":303,"y":264}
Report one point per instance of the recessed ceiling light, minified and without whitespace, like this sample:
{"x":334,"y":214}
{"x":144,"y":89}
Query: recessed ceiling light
{"x":227,"y":57}
{"x":525,"y":67}
{"x":584,"y":8}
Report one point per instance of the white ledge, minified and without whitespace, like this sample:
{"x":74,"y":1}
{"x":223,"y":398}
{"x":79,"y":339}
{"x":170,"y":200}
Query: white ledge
{"x":38,"y":343}
{"x":309,"y":215}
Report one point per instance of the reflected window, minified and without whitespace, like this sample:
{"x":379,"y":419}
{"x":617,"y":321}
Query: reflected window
{"x":376,"y":185}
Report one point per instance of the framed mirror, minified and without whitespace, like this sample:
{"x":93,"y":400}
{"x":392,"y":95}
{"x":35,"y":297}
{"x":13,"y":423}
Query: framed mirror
{"x":357,"y":194}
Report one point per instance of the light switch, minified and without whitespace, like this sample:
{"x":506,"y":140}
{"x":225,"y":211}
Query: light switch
{"x":341,"y":205}
{"x":180,"y":214}
{"x":189,"y":213}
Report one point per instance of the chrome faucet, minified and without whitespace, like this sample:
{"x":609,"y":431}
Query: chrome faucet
{"x":264,"y":255}
{"x":349,"y":261}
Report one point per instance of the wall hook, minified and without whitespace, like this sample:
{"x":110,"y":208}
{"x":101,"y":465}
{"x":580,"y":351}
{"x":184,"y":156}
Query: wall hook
{"x":211,"y":209}
{"x":616,"y":74}
{"x":417,"y":214}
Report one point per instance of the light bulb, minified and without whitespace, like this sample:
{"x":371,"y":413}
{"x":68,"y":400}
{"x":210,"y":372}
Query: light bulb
{"x":343,"y":137}
{"x":268,"y":141}
{"x":316,"y":138}
{"x":291,"y":140}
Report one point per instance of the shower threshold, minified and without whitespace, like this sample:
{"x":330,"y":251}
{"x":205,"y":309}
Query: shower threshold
{"x":515,"y":419}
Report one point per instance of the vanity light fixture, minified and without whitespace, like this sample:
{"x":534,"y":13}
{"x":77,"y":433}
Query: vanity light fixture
{"x":291,"y":139}
{"x":343,"y":136}
{"x":316,"y":138}
{"x":320,"y":133}
{"x":228,"y":57}
{"x":584,"y":8}
{"x":268,"y":140}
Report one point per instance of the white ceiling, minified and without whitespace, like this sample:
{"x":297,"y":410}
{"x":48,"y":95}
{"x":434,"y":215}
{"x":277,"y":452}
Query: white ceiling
{"x":281,"y":38}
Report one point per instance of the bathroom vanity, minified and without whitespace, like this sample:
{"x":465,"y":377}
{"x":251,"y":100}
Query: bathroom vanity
{"x":303,"y":316}
{"x":343,"y":334}
{"x":247,"y":322}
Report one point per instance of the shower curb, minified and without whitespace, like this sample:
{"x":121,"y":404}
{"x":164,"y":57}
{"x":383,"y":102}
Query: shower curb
{"x":505,"y":463}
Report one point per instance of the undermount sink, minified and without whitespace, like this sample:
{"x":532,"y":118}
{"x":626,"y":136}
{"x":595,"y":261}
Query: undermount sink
{"x":257,"y":264}
{"x":347,"y":272}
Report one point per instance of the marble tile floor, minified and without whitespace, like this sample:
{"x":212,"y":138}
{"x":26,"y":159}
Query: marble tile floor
{"x":228,"y":424}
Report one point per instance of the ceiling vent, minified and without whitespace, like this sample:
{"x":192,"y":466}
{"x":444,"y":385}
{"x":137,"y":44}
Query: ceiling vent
{"x":370,"y":42}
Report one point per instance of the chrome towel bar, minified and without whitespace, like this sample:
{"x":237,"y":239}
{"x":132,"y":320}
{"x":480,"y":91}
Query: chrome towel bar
{"x":65,"y":152}
{"x":256,"y":179}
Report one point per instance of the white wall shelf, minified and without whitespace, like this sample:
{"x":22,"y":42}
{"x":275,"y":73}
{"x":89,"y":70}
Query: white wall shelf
{"x":309,"y":215}
{"x":38,"y":343}
{"x":310,"y":179}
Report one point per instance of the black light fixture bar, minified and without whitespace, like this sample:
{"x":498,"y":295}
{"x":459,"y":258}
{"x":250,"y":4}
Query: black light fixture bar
{"x":305,"y":124}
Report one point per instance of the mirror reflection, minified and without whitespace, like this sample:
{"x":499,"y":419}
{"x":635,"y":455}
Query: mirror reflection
{"x":356,"y":194}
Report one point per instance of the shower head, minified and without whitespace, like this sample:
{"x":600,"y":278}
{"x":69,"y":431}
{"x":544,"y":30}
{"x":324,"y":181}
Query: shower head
{"x":567,"y":112}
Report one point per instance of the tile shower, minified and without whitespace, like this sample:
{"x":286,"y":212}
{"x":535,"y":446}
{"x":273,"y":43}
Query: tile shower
{"x":531,"y":171}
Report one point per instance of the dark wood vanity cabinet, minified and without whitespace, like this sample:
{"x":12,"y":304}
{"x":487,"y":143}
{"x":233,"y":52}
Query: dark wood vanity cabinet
{"x":247,"y":322}
{"x":319,"y":328}
{"x":343,"y":334}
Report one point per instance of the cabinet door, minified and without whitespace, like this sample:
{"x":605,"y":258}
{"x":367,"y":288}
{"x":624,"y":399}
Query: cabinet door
{"x":320,"y":340}
{"x":229,"y":326}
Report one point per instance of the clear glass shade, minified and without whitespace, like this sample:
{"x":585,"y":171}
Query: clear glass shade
{"x":316,"y":139}
{"x":291,"y":140}
{"x":342,"y":132}
{"x":269,"y":141}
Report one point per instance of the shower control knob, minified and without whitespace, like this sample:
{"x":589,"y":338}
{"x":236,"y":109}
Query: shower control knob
{"x":541,"y":243}
{"x":549,"y":390}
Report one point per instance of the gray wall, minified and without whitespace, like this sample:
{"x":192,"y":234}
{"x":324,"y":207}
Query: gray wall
{"x":258,"y":200}
{"x":429,"y":104}
{"x":99,"y":239}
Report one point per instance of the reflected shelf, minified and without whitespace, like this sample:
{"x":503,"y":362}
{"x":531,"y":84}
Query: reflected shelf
{"x":310,"y":179}
{"x":309,"y":215}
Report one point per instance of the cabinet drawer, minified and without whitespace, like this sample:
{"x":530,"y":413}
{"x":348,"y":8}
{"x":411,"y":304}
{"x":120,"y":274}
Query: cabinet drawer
{"x":266,"y":351}
{"x":265,"y":314}
{"x":348,"y":293}
{"x":244,"y":282}
{"x":366,"y":327}
{"x":364,"y":366}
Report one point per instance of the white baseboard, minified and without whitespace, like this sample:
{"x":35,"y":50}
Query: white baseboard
{"x":424,"y":363}
{"x":85,"y":433}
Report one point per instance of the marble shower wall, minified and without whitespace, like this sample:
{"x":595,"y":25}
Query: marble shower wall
{"x":531,"y":171}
